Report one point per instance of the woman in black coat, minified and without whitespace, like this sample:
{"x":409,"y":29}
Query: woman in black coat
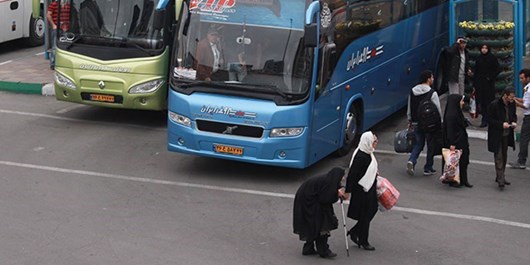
{"x":455,"y":134}
{"x":486,"y":70}
{"x":361,"y":183}
{"x":313,"y":216}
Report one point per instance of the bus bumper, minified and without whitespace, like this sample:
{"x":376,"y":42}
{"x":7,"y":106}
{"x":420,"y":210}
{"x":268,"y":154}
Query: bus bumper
{"x":278,"y":151}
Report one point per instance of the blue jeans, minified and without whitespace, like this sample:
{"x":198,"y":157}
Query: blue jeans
{"x":53,"y":40}
{"x":421,"y":138}
{"x":523,"y":141}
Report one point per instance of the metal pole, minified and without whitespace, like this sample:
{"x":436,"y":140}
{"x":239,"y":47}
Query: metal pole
{"x":344,"y":225}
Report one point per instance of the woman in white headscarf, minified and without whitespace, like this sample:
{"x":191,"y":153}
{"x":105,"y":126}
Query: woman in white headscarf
{"x":361,"y":183}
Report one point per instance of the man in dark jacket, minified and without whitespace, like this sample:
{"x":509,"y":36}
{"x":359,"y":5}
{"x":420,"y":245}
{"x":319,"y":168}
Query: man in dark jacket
{"x":419,"y":93}
{"x":457,"y":66}
{"x":502,"y":121}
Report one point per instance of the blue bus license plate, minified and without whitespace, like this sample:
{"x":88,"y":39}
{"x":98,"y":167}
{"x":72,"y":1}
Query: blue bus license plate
{"x":233,"y":150}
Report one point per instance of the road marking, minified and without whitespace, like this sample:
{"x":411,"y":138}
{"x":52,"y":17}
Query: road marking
{"x":248,"y":191}
{"x":39,"y":115}
{"x":6,"y":62}
{"x":69,"y":108}
{"x":477,"y":162}
{"x":477,"y":134}
{"x":40,"y":53}
{"x":471,"y":161}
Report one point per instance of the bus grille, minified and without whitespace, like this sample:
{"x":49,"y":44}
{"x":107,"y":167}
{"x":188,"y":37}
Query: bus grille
{"x":229,"y":129}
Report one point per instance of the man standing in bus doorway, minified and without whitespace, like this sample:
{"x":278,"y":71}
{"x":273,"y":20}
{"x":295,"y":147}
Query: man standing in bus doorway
{"x":420,"y":93}
{"x":524,"y":103}
{"x":62,"y":22}
{"x":502,"y":122}
{"x":458,"y":69}
{"x":209,"y":57}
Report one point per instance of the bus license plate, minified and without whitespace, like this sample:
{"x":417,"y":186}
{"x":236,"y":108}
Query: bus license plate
{"x":102,"y":98}
{"x":233,"y":150}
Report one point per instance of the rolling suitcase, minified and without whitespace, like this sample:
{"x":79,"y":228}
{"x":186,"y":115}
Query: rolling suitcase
{"x":403,"y":141}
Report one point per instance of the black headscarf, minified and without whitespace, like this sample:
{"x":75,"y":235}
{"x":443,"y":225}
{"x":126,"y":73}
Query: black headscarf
{"x":313,"y":205}
{"x":454,"y":129}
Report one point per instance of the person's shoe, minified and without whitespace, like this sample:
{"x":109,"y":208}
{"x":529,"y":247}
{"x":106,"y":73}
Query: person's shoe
{"x":52,"y":67}
{"x":455,"y":185}
{"x":410,"y":168}
{"x":368,"y":247}
{"x":429,"y":172}
{"x":353,"y":237}
{"x":309,"y":252}
{"x":518,"y":165}
{"x":308,"y":249}
{"x":501,"y":186}
{"x":468,"y":185}
{"x":507,"y":182}
{"x":329,"y":254}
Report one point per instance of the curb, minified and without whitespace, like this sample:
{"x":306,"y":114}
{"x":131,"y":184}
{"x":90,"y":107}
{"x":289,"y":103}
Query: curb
{"x":27,"y":88}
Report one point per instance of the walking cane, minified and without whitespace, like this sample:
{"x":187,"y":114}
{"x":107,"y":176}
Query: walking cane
{"x":344,"y":225}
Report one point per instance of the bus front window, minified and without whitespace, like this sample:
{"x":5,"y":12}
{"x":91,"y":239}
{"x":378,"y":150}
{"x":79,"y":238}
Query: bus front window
{"x":248,"y":52}
{"x":112,"y":23}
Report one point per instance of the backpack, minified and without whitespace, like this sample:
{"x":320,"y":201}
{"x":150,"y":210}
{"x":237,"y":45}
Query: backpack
{"x":429,"y":119}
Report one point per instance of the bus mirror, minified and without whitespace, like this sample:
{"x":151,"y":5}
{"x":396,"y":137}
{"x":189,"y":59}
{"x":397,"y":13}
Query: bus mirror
{"x":310,"y":35}
{"x":159,"y":19}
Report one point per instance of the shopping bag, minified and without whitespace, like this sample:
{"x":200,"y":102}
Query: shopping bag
{"x":404,"y":141}
{"x":387,"y":194}
{"x":451,"y":171}
{"x":473,"y":106}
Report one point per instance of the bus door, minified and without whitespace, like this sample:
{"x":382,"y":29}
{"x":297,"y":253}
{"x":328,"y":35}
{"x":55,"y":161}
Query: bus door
{"x":12,"y":17}
{"x":326,"y":111}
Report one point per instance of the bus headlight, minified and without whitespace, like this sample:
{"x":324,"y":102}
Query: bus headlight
{"x":146,"y":87}
{"x":180,"y":119}
{"x":286,"y":132}
{"x":64,"y":81}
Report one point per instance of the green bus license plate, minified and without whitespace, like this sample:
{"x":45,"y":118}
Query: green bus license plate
{"x":102,"y":98}
{"x":233,"y":150}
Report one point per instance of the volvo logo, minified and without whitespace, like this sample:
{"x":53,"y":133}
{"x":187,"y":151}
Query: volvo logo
{"x":101,"y":84}
{"x":230,"y":129}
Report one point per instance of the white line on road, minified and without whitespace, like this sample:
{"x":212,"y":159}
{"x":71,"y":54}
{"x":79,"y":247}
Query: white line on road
{"x":247,"y":191}
{"x":471,"y":161}
{"x":40,"y":53}
{"x":477,"y":162}
{"x":6,"y":62}
{"x":69,"y":108}
{"x":39,"y":115}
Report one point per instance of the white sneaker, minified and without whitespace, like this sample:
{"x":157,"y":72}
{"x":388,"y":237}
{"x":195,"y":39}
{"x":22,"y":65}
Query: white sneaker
{"x":410,"y":168}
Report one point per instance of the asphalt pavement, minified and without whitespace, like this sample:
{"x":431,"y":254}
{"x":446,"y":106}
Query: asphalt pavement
{"x":88,"y":185}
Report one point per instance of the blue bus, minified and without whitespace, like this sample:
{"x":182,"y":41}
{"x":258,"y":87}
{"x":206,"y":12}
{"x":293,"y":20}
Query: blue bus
{"x":293,"y":81}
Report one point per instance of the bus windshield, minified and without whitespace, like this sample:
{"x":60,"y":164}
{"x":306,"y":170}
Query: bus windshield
{"x":110,"y":23}
{"x":248,"y":44}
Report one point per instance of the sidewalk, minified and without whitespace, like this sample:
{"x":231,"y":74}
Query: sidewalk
{"x":29,"y":74}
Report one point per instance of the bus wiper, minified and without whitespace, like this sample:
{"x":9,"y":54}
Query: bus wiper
{"x":189,"y":84}
{"x":245,"y":86}
{"x":266,"y":86}
{"x":132,"y":44}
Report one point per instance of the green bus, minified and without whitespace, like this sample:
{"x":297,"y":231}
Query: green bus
{"x":114,"y":53}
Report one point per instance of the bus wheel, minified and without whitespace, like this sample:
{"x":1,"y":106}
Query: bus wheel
{"x":36,"y":31}
{"x":351,"y":132}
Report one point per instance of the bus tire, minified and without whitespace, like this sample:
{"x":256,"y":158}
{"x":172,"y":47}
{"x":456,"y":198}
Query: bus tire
{"x":36,"y":31}
{"x":352,"y":132}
